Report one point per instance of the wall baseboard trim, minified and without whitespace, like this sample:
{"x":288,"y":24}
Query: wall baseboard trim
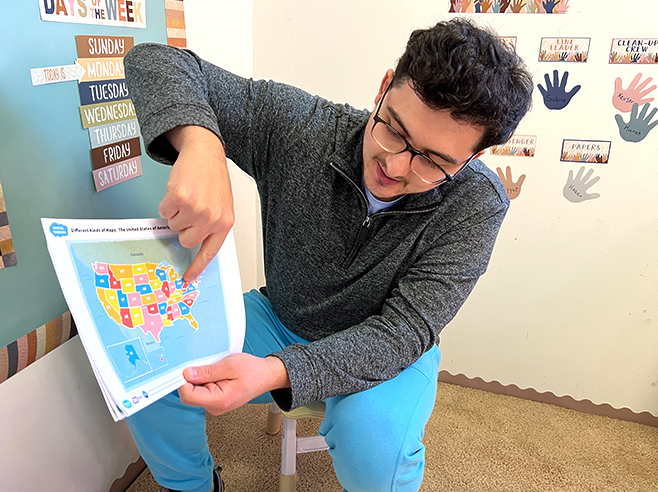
{"x":133,"y":471}
{"x":583,"y":406}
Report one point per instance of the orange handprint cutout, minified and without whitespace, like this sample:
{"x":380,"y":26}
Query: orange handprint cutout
{"x":511,"y":188}
{"x":623,"y":99}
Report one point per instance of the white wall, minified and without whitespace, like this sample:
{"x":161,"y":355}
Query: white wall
{"x":57,"y":433}
{"x":221,"y":32}
{"x":569,"y":304}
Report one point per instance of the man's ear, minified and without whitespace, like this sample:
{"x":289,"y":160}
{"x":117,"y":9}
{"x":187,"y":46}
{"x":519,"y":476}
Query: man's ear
{"x":386,"y":81}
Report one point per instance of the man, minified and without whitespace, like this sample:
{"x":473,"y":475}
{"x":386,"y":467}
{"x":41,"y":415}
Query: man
{"x":376,"y":227}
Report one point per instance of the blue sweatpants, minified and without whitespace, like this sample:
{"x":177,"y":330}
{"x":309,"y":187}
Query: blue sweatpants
{"x":374,"y":437}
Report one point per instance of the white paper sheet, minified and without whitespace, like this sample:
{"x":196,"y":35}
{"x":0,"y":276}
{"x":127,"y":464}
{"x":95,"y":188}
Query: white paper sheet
{"x":139,"y":322}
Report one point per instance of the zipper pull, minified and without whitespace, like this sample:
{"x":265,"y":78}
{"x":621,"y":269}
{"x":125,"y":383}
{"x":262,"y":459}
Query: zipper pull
{"x":363,"y":231}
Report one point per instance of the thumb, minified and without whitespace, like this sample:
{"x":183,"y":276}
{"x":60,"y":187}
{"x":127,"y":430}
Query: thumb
{"x":204,"y":374}
{"x":620,"y":121}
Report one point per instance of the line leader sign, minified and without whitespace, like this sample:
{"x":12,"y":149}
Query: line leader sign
{"x":124,"y":13}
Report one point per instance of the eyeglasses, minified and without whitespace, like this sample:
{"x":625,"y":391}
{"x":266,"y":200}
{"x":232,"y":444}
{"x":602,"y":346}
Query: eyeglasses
{"x":422,"y":165}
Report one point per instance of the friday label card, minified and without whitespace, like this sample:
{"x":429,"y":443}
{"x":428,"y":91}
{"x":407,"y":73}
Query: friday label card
{"x":518,"y":145}
{"x":634,"y":50}
{"x":592,"y":151}
{"x":564,"y":49}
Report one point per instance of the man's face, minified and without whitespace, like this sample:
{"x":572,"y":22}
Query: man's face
{"x":448,"y":142}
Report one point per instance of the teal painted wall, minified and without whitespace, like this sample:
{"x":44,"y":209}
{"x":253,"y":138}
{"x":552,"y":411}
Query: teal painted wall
{"x":45,"y":165}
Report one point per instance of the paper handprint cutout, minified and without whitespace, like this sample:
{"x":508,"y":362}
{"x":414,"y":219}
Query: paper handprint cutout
{"x":555,"y":94}
{"x":623,"y":99}
{"x":575,"y":189}
{"x":511,"y":188}
{"x":639,"y":126}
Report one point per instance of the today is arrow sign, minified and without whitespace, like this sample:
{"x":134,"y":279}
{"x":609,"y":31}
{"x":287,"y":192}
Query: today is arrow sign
{"x":51,"y":75}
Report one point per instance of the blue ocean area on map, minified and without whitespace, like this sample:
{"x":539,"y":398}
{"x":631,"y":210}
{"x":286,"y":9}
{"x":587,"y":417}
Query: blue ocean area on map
{"x":135,"y":353}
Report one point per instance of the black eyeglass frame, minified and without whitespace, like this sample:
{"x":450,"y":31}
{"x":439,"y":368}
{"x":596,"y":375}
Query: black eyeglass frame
{"x":410,"y":149}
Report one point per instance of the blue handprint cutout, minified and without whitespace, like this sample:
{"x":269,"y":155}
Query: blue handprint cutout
{"x":555,"y":94}
{"x":550,"y":5}
{"x":637,"y":127}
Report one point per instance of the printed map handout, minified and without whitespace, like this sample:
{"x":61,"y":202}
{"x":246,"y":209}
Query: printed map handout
{"x":140,"y":323}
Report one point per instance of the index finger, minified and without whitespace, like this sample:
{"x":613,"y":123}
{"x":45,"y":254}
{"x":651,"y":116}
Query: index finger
{"x":200,"y":396}
{"x":209,"y":249}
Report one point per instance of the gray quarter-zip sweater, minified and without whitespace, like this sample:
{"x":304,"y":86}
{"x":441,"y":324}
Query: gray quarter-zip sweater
{"x":371,"y":293}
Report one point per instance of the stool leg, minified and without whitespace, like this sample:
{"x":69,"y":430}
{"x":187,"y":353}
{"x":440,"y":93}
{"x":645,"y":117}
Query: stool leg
{"x":274,"y":418}
{"x":288,"y":479}
{"x":288,"y":483}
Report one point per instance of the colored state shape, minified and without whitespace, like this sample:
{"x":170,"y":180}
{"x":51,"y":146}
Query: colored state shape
{"x":127,"y":285}
{"x":184,"y":308}
{"x":123,"y":299}
{"x":152,"y":323}
{"x":114,"y":283}
{"x":149,"y":299}
{"x":142,"y":278}
{"x":132,"y":355}
{"x":113,"y":299}
{"x":138,"y":269}
{"x":134,"y":299}
{"x":160,"y":297}
{"x":143,"y":289}
{"x":121,"y":271}
{"x":126,"y":318}
{"x":109,"y":308}
{"x":137,"y":317}
{"x":150,"y":271}
{"x":102,"y":281}
{"x":161,"y":274}
{"x":100,"y":268}
{"x":156,"y":284}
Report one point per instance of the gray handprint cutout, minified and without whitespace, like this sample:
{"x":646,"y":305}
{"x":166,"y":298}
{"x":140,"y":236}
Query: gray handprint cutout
{"x":575,"y":190}
{"x":637,"y":127}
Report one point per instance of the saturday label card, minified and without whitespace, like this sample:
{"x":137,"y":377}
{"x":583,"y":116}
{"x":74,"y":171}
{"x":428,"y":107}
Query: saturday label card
{"x":564,"y":49}
{"x":593,"y":151}
{"x":117,"y":173}
{"x":518,"y":145}
{"x":634,"y":50}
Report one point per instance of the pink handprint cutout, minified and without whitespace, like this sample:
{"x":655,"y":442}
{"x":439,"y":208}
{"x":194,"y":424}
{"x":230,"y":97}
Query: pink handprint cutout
{"x":623,"y":99}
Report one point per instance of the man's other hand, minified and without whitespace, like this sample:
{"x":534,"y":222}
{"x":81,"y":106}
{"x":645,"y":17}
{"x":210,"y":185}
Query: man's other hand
{"x":232,"y":382}
{"x":199,"y":201}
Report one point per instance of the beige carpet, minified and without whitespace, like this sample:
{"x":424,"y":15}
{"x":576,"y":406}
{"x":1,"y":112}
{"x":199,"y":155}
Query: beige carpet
{"x":476,"y":441}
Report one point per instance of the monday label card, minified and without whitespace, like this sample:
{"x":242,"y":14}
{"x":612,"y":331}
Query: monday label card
{"x":518,"y":145}
{"x":564,"y":49}
{"x":592,"y":151}
{"x":634,"y":50}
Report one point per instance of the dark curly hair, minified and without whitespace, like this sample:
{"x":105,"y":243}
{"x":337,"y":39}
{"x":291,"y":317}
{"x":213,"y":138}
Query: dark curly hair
{"x":470,"y":71}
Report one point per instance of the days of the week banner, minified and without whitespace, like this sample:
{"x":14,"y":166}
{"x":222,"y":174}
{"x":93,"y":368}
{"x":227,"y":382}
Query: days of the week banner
{"x":106,"y":110}
{"x":124,"y":13}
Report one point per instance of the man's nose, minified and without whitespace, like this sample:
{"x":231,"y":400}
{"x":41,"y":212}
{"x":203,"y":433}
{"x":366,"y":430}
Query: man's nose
{"x":398,"y":165}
